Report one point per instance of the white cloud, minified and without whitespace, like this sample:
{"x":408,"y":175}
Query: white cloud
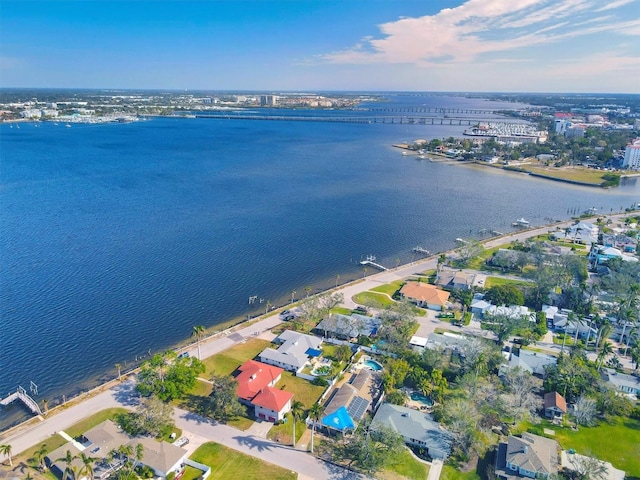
{"x":614,"y":4}
{"x":478,"y":27}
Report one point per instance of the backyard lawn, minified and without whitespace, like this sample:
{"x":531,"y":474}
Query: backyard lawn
{"x":227,"y":463}
{"x":226,"y":362}
{"x":616,"y":442}
{"x":406,"y":466}
{"x":303,"y":390}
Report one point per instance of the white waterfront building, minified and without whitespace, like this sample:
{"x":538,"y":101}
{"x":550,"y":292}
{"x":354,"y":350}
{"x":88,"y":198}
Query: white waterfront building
{"x":632,"y":155}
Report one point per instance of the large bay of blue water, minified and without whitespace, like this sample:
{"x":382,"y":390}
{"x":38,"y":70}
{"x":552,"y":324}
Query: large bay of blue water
{"x":115,"y":240}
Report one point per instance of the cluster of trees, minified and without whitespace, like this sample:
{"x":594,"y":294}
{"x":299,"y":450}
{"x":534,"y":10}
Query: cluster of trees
{"x":168,"y":376}
{"x":367,"y":449}
{"x":152,"y":417}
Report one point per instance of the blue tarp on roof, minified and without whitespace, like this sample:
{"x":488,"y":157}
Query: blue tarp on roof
{"x":313,"y":352}
{"x":338,"y":420}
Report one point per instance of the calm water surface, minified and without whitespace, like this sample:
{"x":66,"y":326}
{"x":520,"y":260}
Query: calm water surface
{"x":116,"y":239}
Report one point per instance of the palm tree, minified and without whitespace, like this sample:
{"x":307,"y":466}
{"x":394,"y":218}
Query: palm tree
{"x":308,"y":290}
{"x":68,"y":460}
{"x":607,"y":349}
{"x":40,"y":454}
{"x":45,"y":406}
{"x":119,"y":369}
{"x":198,"y":331}
{"x":635,"y":355}
{"x":632,"y":333}
{"x":296,"y":414}
{"x":315,"y":412}
{"x":87,"y":465}
{"x":6,"y":450}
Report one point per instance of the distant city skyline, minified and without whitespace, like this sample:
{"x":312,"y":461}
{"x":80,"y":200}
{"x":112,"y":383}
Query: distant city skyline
{"x":405,"y":45}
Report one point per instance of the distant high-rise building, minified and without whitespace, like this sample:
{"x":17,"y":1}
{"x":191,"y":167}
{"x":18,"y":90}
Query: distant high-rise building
{"x":632,"y":155}
{"x":268,"y":100}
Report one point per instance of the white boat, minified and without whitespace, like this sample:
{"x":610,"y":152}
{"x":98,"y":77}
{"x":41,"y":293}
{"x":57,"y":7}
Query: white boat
{"x":68,"y":126}
{"x":521,"y":222}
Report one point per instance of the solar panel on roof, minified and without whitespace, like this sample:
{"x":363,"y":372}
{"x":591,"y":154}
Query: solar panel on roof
{"x":358,"y":407}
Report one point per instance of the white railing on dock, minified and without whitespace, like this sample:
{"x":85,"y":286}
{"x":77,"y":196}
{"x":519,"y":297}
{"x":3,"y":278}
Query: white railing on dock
{"x":22,"y":395}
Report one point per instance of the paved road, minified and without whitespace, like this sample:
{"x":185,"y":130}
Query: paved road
{"x":282,"y":455}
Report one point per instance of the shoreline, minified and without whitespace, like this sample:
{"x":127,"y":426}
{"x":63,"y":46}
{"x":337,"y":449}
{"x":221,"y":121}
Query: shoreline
{"x":273,"y":316}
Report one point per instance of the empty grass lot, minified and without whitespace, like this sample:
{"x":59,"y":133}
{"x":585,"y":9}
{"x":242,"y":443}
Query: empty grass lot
{"x":226,"y":463}
{"x":499,"y":281}
{"x":372,"y":299}
{"x":224,"y":363}
{"x":389,"y":288}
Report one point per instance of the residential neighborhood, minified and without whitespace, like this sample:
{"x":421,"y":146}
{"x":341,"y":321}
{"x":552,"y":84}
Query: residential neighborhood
{"x":443,"y":369}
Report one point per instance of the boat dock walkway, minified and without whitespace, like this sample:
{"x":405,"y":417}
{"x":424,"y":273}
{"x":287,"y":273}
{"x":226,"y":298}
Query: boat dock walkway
{"x":371,"y":260}
{"x":22,"y":395}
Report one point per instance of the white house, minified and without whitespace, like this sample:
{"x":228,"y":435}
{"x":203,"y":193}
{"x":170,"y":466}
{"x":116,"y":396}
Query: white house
{"x":294,"y":351}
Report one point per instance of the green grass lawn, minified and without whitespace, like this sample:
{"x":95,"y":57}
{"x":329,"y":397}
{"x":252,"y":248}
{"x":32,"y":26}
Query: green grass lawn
{"x":389,"y":288}
{"x":372,"y":299}
{"x":450,"y":473}
{"x":226,"y":362}
{"x":616,"y":441}
{"x":303,"y":390}
{"x":226,"y":463}
{"x":342,"y":310}
{"x":499,"y":281}
{"x":283,"y":433}
{"x":406,"y":466}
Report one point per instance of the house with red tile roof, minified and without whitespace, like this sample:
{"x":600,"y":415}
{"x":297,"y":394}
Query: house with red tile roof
{"x":253,"y":377}
{"x":425,"y":295}
{"x":255,"y":389}
{"x":272,"y":404}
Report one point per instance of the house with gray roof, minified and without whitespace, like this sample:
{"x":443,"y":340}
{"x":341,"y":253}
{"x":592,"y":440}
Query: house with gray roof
{"x":294,"y":351}
{"x":99,"y":441}
{"x":532,"y":362}
{"x":347,"y":327}
{"x":529,"y":456}
{"x":418,"y":429}
{"x":622,"y":382}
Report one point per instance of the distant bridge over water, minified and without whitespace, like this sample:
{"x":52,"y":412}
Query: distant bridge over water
{"x":385,"y":119}
{"x":436,"y":110}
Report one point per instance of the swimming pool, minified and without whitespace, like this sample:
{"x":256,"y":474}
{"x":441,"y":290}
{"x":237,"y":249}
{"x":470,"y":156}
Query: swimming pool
{"x":418,"y":397}
{"x":373,"y":365}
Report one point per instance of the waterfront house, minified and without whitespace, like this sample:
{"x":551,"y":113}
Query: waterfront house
{"x":294,"y":351}
{"x":417,"y":428}
{"x":425,"y":295}
{"x":529,"y":456}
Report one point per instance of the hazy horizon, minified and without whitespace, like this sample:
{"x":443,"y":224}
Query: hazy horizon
{"x":444,"y":46}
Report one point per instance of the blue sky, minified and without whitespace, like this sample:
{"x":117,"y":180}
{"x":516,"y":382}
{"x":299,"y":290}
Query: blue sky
{"x":423,"y":45}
